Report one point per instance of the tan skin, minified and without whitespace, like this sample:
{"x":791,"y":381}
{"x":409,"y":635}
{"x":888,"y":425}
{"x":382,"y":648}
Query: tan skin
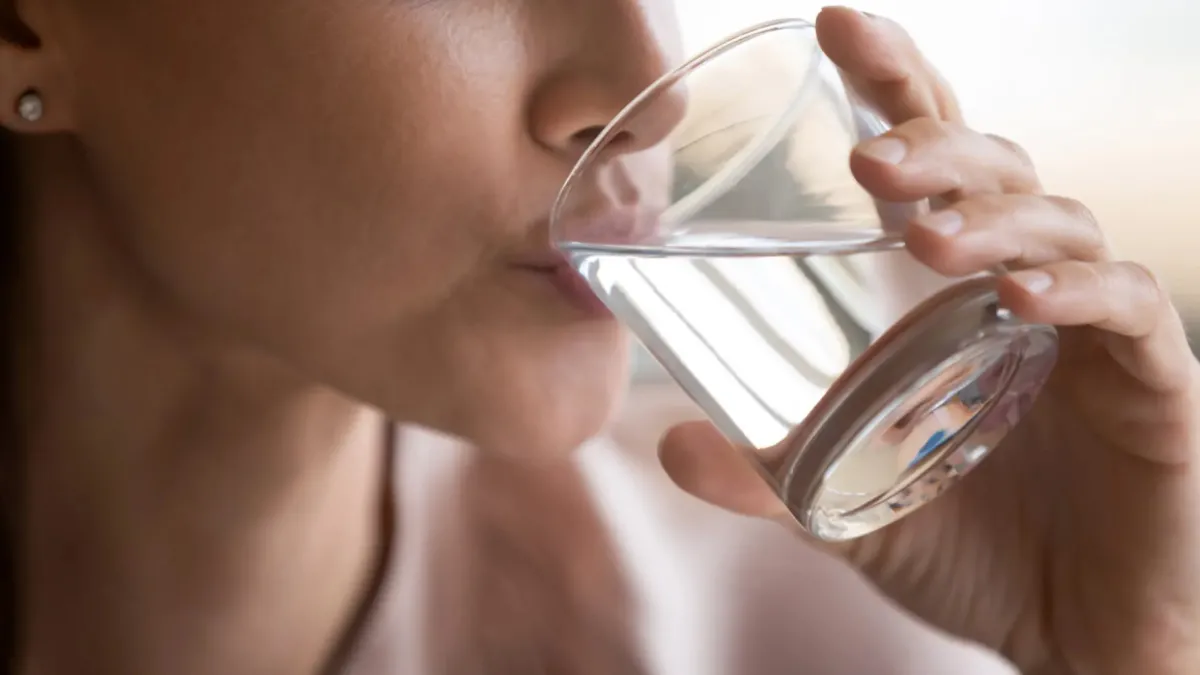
{"x":246,"y":218}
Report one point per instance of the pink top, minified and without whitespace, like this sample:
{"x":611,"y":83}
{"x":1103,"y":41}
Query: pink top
{"x":711,"y":593}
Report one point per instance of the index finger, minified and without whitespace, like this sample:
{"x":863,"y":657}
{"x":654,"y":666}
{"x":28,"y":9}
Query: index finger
{"x":882,"y":63}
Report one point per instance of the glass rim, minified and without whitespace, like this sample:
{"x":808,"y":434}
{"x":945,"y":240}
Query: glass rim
{"x":720,"y":47}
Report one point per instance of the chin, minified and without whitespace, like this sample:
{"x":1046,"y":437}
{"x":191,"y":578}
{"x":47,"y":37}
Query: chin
{"x":548,"y":418}
{"x":549,"y":431}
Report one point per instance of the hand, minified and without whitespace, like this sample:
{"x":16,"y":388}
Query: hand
{"x":1075,"y":548}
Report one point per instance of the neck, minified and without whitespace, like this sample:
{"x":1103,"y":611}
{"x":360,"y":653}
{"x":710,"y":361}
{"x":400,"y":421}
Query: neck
{"x":191,"y":505}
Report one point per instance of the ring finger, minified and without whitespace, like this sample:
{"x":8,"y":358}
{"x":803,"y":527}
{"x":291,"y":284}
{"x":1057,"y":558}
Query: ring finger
{"x":1017,"y":231}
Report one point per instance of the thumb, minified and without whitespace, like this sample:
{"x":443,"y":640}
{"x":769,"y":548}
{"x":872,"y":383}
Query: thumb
{"x":703,"y":463}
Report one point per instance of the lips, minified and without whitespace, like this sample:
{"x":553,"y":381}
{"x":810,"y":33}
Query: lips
{"x":623,"y":226}
{"x":632,"y":227}
{"x":568,"y":283}
{"x":578,"y":292}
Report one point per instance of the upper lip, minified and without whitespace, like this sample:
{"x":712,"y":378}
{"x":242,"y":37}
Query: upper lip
{"x":625,"y":224}
{"x":538,"y":251}
{"x":545,"y":260}
{"x":615,"y":225}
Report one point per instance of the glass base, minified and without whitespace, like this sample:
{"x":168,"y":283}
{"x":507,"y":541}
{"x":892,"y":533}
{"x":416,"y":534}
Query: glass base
{"x":917,"y":411}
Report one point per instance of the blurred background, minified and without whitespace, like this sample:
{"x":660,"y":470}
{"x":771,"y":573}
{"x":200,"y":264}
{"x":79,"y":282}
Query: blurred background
{"x":1104,"y":94}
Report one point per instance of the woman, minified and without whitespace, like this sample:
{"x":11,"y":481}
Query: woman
{"x":248,"y":231}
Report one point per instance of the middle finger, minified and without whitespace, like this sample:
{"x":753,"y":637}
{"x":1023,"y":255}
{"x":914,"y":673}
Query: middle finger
{"x":926,"y":158}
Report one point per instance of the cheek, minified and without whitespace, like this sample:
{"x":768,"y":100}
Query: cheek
{"x":303,"y":172}
{"x":338,"y":184}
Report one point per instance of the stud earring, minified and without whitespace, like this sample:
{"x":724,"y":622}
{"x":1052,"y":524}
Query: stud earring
{"x":30,"y":106}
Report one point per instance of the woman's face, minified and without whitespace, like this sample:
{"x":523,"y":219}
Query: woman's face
{"x":356,"y":186}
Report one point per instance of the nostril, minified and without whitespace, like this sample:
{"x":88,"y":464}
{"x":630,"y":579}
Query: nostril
{"x":586,"y":137}
{"x":616,"y":143}
{"x":649,"y":125}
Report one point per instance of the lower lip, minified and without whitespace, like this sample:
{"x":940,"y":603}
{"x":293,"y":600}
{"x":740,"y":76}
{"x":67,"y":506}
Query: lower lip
{"x":575,"y":290}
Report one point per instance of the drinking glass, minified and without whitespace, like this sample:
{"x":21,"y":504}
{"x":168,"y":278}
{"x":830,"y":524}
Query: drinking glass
{"x":718,"y":218}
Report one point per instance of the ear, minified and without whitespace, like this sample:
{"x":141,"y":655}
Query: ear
{"x":33,"y":95}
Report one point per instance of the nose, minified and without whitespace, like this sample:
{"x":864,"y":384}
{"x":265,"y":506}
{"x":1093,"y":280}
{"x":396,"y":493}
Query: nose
{"x":620,"y":50}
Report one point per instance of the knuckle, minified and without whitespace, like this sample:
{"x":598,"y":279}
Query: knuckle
{"x":1022,"y":175}
{"x":1095,"y":279}
{"x":1076,"y":210}
{"x":1144,"y":279}
{"x":928,"y":130}
{"x":984,"y":208}
{"x":1012,"y":147}
{"x":1011,"y":208}
{"x":1094,"y":243}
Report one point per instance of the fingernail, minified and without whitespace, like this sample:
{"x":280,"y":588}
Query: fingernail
{"x":1033,"y":281}
{"x":946,"y":222}
{"x":886,"y":149}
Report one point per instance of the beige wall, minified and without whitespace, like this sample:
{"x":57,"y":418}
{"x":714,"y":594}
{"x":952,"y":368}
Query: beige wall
{"x":1104,"y":94}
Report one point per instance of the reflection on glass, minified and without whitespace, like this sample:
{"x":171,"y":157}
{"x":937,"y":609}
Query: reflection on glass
{"x":718,"y":217}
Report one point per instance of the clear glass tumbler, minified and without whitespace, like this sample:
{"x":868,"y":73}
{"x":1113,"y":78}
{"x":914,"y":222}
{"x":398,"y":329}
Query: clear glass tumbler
{"x":717,"y":217}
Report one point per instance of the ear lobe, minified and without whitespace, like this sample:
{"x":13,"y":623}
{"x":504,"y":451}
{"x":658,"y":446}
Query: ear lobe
{"x":32,"y":96}
{"x":30,"y":107}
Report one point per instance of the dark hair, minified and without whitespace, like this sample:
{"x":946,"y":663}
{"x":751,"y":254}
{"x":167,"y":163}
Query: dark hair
{"x":11,"y":466}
